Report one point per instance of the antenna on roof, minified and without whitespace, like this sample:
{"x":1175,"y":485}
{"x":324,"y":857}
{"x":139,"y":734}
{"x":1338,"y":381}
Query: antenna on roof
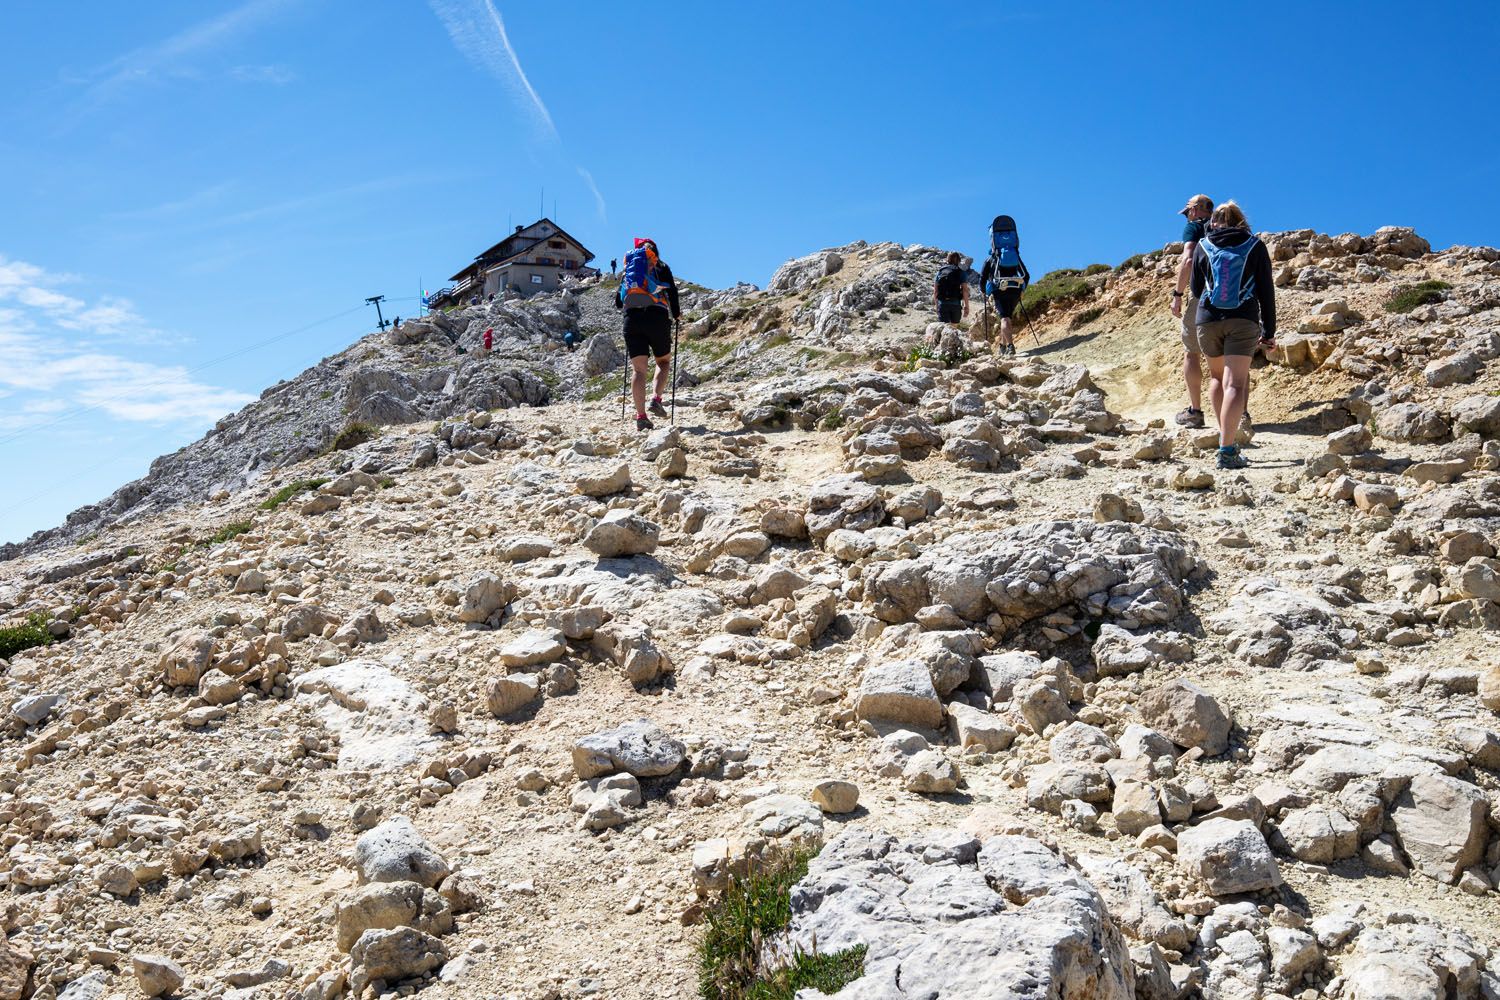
{"x":541,"y":204}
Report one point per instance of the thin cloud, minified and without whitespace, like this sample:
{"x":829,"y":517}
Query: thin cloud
{"x":46,"y":368}
{"x":167,"y":209}
{"x":168,"y":56}
{"x":303,"y":203}
{"x":34,"y":289}
{"x":277,"y":76}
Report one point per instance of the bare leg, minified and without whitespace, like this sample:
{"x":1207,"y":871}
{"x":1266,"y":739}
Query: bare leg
{"x":1192,"y":373}
{"x":1216,"y":390}
{"x":638,"y":383}
{"x":663,"y":367}
{"x":1006,"y":335}
{"x":1230,"y":398}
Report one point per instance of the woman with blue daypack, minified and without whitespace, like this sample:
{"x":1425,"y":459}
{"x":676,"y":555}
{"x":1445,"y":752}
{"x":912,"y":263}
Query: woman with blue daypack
{"x":1236,"y":298}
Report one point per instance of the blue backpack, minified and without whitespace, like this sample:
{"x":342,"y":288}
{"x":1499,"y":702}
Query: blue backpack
{"x":1007,"y":247}
{"x":639,"y":288}
{"x":1228,"y":287}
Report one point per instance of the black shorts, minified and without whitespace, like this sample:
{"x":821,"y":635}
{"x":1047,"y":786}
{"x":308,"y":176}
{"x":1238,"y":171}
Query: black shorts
{"x":950,"y":312}
{"x":648,"y":331}
{"x":1006,"y":302}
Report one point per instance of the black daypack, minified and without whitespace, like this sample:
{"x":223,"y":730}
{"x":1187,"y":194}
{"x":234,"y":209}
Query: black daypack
{"x":950,"y":283}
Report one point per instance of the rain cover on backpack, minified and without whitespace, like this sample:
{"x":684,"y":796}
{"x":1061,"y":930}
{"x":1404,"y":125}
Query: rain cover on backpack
{"x":1228,"y":288}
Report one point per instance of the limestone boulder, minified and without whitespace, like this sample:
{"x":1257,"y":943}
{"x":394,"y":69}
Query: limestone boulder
{"x":1012,"y":919}
{"x":1319,"y":835}
{"x":1229,"y":855}
{"x":622,"y":533}
{"x":640,"y":748}
{"x":157,"y":975}
{"x":395,"y":852}
{"x":1441,"y":824}
{"x":393,"y":955}
{"x":899,"y":691}
{"x":1187,"y":715}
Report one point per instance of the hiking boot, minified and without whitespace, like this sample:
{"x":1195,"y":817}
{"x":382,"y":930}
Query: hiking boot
{"x":1190,"y":418}
{"x":657,"y":408}
{"x":1230,"y":458}
{"x":642,"y":424}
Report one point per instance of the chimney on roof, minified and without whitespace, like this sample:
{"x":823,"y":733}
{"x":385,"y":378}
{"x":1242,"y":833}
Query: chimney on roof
{"x":519,"y":228}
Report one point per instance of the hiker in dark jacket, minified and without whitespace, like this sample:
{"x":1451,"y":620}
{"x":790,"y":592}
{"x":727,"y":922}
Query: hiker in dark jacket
{"x":1236,"y":313}
{"x":1008,"y":283}
{"x":950,"y":290}
{"x":648,"y":330}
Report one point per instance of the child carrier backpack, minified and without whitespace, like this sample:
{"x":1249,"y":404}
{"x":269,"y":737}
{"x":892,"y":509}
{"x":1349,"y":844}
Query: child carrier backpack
{"x":1228,"y":287}
{"x":1005,"y":242}
{"x":1005,"y":256}
{"x":950,"y":283}
{"x":639,"y":288}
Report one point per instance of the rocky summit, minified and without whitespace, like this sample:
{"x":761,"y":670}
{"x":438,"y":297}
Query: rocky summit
{"x":425,"y":674}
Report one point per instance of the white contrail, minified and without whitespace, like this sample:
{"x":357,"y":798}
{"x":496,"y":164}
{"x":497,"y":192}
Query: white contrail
{"x":487,"y":45}
{"x":588,"y":179}
{"x":464,"y":20}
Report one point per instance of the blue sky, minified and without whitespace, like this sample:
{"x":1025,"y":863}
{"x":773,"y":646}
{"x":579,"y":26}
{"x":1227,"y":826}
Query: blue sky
{"x":181,"y":181}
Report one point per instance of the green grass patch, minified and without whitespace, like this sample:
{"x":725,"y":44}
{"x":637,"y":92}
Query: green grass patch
{"x":290,"y":490}
{"x":1054,"y":286}
{"x":602,"y":387}
{"x":897,"y":310}
{"x":232,"y":530}
{"x":833,"y":420}
{"x":713,"y":349}
{"x":928,"y":351}
{"x":1133,"y":262}
{"x":1408,"y":297}
{"x":354,"y":434}
{"x":549,"y":377}
{"x":18,"y":638}
{"x":1093,"y":269}
{"x":1086,"y":317}
{"x":749,"y":912}
{"x":780,"y":340}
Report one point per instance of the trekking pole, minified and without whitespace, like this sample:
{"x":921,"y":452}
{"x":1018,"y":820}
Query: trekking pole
{"x":676,"y":328}
{"x":624,"y":382}
{"x":1027,"y":316}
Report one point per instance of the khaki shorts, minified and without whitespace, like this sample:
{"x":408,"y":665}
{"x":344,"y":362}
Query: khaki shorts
{"x":1190,"y":328}
{"x":1233,"y":337}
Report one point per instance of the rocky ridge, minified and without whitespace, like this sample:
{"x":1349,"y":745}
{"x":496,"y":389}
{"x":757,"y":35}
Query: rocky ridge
{"x":1066,"y":706}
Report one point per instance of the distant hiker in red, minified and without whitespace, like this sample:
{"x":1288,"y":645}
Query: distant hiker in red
{"x":489,"y":340}
{"x":648,"y":295}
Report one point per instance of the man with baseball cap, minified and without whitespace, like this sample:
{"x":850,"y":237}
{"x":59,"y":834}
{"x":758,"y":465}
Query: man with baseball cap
{"x":1197,"y":210}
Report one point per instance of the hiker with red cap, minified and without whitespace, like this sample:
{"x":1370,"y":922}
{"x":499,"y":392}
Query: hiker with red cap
{"x":648,"y":296}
